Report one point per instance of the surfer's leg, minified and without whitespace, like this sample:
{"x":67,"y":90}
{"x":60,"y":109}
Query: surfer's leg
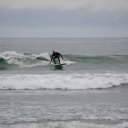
{"x":59,"y":60}
{"x":54,"y":60}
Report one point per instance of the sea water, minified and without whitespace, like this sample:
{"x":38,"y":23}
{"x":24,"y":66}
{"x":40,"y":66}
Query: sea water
{"x":90,"y":91}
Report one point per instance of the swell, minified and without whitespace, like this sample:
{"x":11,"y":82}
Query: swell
{"x":108,"y":62}
{"x":99,"y":59}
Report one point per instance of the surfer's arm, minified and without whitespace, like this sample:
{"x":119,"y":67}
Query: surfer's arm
{"x":51,"y":59}
{"x":61,"y":56}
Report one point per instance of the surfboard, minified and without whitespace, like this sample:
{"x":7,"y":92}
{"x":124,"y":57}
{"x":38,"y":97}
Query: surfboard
{"x":59,"y":64}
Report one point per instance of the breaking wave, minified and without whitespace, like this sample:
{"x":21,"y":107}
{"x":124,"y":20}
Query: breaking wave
{"x":12,"y":58}
{"x":61,"y":81}
{"x":81,"y":62}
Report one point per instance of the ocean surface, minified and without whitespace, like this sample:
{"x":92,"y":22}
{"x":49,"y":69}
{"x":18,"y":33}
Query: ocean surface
{"x":90,"y":91}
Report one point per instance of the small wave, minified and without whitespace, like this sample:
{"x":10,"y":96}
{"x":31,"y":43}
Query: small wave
{"x":65,"y":124}
{"x":61,"y":81}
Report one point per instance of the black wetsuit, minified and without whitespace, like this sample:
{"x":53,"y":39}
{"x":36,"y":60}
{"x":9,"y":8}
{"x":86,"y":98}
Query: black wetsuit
{"x":56,"y":55}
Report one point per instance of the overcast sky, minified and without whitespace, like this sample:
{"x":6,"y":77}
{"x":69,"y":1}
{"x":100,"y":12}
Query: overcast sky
{"x":63,"y":18}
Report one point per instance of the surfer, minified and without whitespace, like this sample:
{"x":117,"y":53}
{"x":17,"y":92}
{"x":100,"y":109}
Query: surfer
{"x":56,"y":55}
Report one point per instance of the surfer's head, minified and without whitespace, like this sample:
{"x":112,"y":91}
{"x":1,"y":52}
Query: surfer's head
{"x":53,"y":51}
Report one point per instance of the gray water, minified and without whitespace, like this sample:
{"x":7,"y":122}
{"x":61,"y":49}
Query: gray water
{"x":82,"y":46}
{"x":89,"y":92}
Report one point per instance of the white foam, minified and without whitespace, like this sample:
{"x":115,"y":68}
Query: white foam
{"x":73,"y":124}
{"x":62,"y":81}
{"x":68,"y":62}
{"x":44,"y":55}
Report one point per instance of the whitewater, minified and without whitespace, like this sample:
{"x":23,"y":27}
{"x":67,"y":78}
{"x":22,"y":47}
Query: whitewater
{"x":90,"y":91}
